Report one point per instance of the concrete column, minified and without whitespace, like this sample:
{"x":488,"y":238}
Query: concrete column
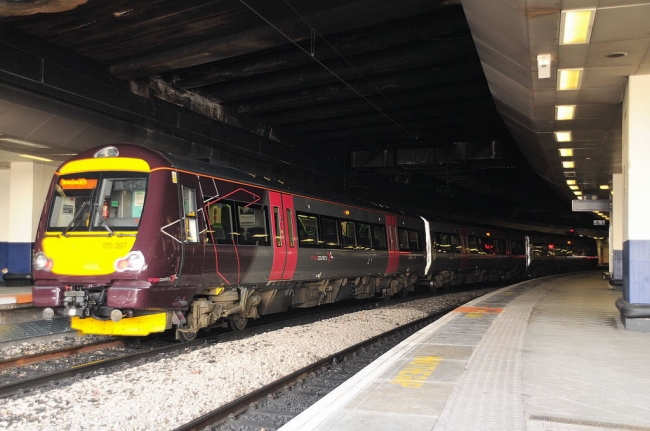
{"x":635,"y":304}
{"x":616,"y":231}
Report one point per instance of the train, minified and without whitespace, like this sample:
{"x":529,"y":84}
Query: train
{"x":134,"y":241}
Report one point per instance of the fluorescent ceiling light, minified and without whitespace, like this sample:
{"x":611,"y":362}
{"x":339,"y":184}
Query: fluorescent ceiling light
{"x":576,"y":25}
{"x":21,"y":142}
{"x":577,"y":193}
{"x":604,"y":187}
{"x":42,"y":159}
{"x":565,"y":112}
{"x":564,"y":136}
{"x":569,"y":79}
{"x":570,"y":182}
{"x":566,"y":152}
{"x":574,"y":187}
{"x":568,"y":165}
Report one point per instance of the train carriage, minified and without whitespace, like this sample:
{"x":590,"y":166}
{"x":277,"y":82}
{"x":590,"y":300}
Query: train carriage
{"x":133,"y":241}
{"x":466,"y":255}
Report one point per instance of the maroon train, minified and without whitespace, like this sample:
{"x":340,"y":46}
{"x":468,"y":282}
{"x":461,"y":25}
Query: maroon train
{"x":134,"y":241}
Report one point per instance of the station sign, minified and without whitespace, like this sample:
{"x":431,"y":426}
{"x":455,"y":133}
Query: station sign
{"x":591,"y":205}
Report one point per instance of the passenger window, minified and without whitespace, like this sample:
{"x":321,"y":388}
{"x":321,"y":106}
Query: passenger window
{"x":364,"y":235}
{"x":403,"y":239}
{"x":414,"y":240}
{"x":348,"y":234}
{"x":252,"y":226}
{"x":500,"y":246}
{"x":379,"y":237}
{"x":308,"y":230}
{"x":330,"y":230}
{"x":221,"y":228}
{"x":447,"y":243}
{"x":473,"y":245}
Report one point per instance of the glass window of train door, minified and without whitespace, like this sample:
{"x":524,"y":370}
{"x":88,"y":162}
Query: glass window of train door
{"x":292,"y":240}
{"x":189,"y":215}
{"x":278,"y":226}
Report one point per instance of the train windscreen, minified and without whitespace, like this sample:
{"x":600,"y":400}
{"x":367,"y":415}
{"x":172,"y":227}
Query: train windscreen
{"x":97,"y":202}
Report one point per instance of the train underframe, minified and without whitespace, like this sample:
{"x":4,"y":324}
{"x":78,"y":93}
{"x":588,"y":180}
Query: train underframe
{"x":222,"y":307}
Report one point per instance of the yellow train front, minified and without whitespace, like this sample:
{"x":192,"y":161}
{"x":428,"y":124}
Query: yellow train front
{"x":134,"y":241}
{"x":99,"y":250}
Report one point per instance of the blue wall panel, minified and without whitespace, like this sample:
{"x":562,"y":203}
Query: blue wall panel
{"x":636,"y":271}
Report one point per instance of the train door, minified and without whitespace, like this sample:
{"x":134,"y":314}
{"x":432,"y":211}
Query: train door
{"x":283,"y":229}
{"x":393,"y":250}
{"x":192,"y":246}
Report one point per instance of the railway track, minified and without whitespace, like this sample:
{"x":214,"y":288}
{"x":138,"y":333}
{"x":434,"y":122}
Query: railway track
{"x":270,"y":407}
{"x":135,"y":352}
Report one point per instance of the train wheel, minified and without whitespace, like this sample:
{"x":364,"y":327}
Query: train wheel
{"x":237,"y":322}
{"x":187,"y":335}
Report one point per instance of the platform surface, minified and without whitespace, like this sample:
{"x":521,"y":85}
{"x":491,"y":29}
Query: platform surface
{"x":10,"y":296}
{"x":546,"y":354}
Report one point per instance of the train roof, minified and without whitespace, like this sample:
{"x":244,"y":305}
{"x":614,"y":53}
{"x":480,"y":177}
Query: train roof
{"x":217,"y":168}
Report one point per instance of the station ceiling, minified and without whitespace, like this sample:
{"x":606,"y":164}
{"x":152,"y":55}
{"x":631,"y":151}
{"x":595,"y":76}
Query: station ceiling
{"x":442,"y":97}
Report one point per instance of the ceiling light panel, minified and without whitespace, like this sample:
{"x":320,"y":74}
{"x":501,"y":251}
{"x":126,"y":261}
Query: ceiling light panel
{"x":563,"y":136}
{"x":566,"y":152}
{"x":565,"y":112}
{"x":576,"y":25}
{"x":568,"y":165}
{"x":569,"y":79}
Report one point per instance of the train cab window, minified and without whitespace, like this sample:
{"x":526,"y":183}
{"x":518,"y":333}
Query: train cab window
{"x":189,"y":215}
{"x":379,"y":237}
{"x":308,"y":230}
{"x":348,"y":234}
{"x":330,"y":232}
{"x":251,"y":223}
{"x":364,"y":235}
{"x":98,"y":202}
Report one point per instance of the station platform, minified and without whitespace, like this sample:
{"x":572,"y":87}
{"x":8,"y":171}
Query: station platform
{"x":545,"y":354}
{"x":15,"y":296}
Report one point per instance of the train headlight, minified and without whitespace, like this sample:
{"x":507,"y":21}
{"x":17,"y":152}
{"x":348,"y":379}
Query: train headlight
{"x":42,"y":262}
{"x":133,"y":261}
{"x":107,"y":152}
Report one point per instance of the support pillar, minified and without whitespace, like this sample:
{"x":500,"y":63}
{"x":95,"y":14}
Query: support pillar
{"x":25,"y":191}
{"x":634,"y":306}
{"x":616,"y":232}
